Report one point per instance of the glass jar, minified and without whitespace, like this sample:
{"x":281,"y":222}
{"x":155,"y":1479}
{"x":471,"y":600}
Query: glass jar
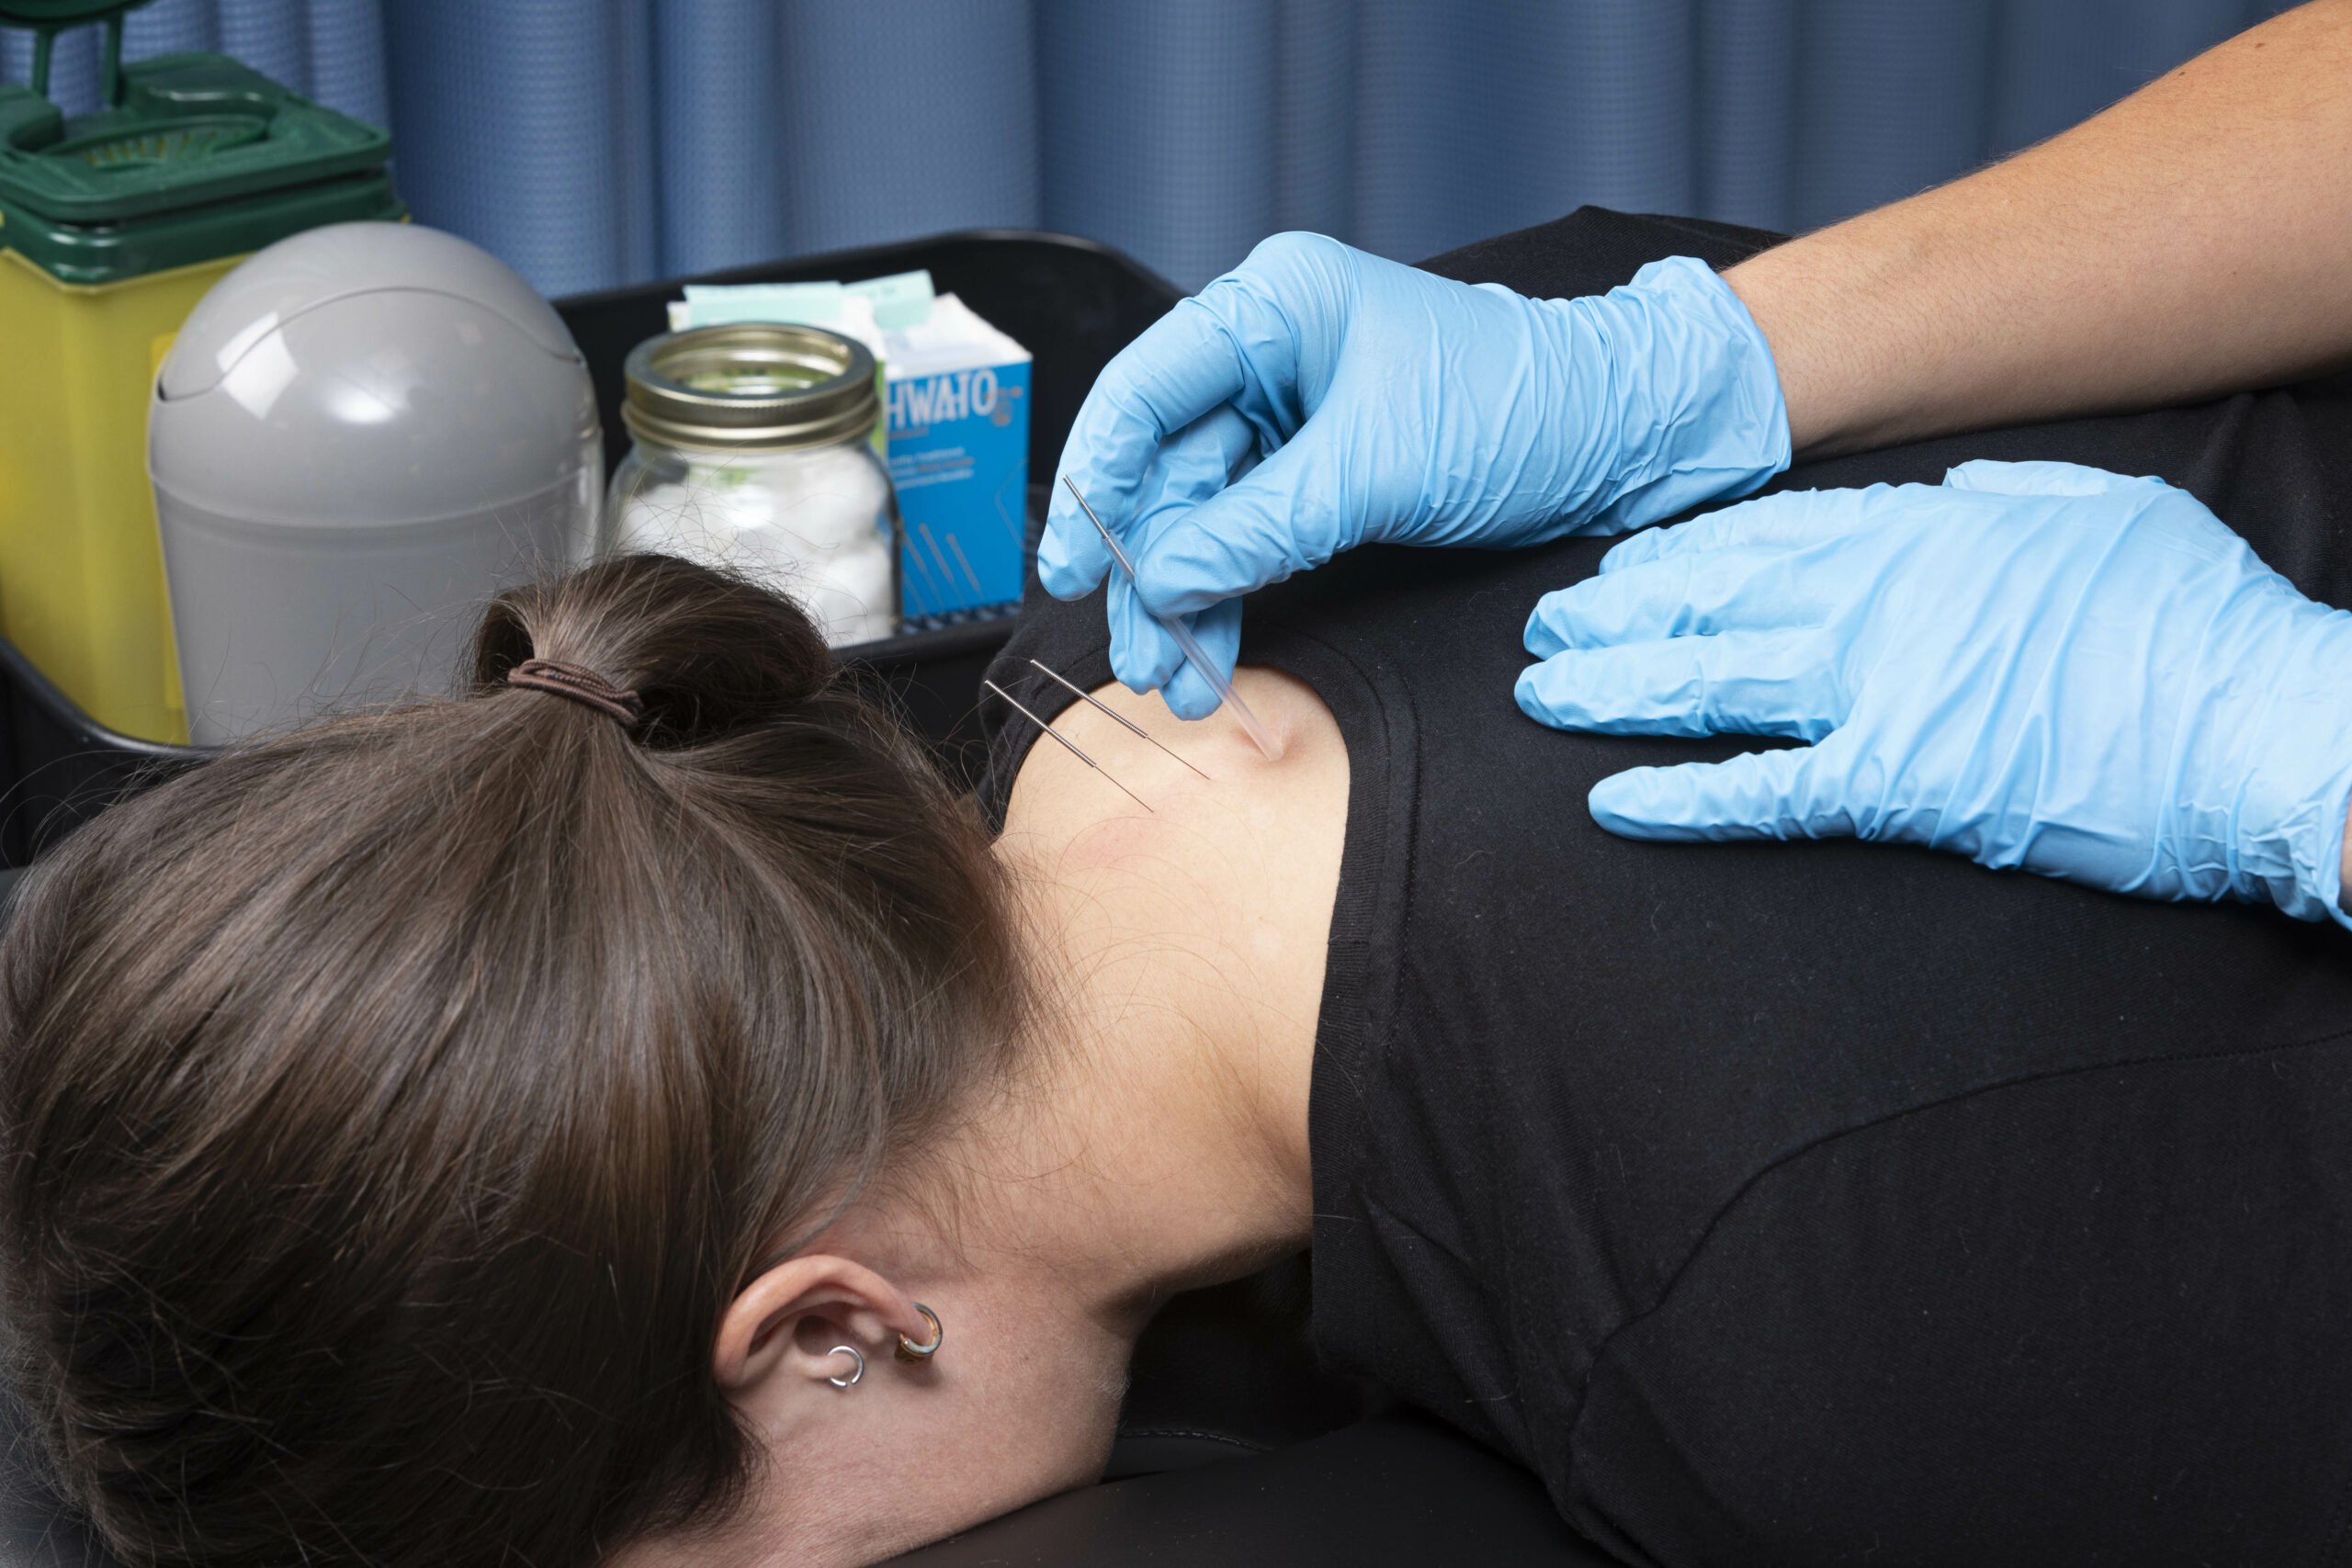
{"x":752,"y":451}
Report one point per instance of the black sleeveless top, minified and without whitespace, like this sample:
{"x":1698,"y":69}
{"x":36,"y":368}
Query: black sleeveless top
{"x":1815,"y":1202}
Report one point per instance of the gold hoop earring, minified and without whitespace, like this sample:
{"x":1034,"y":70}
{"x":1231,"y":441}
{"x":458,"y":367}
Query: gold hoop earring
{"x":914,"y":1354}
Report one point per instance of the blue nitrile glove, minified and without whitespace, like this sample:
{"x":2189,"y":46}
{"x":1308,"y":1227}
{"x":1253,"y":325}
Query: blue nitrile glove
{"x":1392,"y":404}
{"x":2032,"y":664}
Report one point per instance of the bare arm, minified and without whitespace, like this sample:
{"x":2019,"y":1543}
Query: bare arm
{"x":2193,"y":240}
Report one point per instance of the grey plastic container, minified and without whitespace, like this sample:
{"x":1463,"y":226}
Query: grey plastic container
{"x":359,"y":435}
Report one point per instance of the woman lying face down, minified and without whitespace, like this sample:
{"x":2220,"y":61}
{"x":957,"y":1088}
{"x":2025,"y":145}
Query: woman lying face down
{"x":530,"y":1127}
{"x":515,"y":1129}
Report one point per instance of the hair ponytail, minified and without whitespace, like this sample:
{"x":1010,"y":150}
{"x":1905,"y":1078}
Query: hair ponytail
{"x":705,"y":654}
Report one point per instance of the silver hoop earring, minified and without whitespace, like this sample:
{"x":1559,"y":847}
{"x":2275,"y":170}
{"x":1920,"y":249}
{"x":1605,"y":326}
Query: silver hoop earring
{"x":854,"y":1354}
{"x":914,"y":1354}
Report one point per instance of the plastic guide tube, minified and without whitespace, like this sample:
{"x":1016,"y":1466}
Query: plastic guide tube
{"x":1174,"y":627}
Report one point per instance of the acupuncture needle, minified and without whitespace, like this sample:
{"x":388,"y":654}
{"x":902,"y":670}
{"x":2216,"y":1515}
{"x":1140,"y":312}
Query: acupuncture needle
{"x":1141,"y":733}
{"x":1066,"y":740}
{"x":1174,"y":627}
{"x":945,"y":575}
{"x":961,"y":559}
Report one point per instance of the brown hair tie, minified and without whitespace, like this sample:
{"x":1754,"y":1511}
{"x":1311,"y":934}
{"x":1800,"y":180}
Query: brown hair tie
{"x":582,"y":685}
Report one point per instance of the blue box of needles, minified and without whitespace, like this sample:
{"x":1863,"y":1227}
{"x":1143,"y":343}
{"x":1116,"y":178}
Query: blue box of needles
{"x":958,"y":413}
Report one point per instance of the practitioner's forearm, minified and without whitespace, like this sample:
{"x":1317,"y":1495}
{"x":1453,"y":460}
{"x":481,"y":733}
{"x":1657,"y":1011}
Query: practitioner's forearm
{"x":2193,"y":240}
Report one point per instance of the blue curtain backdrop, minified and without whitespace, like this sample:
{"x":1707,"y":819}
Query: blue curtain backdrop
{"x":596,"y":143}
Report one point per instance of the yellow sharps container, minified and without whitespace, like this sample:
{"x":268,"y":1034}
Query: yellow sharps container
{"x":112,"y":226}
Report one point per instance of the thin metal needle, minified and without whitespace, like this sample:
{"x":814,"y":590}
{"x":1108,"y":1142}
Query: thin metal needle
{"x":965,"y":562}
{"x":1183,"y":635}
{"x":1141,"y":733}
{"x":1066,"y":740}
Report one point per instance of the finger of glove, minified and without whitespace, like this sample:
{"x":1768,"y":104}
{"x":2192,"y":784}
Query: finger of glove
{"x":1181,"y":367}
{"x":1789,"y":520}
{"x":1743,"y":684}
{"x":1144,"y":657}
{"x":1290,"y":513}
{"x":1758,"y":794}
{"x":1701,"y":593}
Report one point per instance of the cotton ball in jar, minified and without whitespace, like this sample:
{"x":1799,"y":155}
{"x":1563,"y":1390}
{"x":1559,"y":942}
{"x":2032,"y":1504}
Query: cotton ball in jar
{"x":810,"y":523}
{"x":751,"y":452}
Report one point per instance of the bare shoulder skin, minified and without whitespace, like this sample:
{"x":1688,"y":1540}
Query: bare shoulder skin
{"x":1214,"y":904}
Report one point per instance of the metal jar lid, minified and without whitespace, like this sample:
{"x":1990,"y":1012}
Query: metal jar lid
{"x":750,"y":384}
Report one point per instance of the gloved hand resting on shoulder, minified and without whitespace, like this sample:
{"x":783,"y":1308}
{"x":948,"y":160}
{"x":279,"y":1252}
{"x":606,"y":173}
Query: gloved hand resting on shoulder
{"x":2031,"y":664}
{"x":1385,"y":403}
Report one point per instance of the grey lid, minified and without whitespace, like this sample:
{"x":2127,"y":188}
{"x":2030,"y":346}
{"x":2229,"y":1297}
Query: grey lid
{"x":751,"y":384}
{"x":301,"y":272}
{"x":429,"y":390}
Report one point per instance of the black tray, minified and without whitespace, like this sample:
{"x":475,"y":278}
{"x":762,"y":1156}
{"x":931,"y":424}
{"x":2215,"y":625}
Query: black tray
{"x":1072,"y":303}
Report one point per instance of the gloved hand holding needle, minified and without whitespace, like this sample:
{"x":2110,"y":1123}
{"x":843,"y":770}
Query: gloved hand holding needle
{"x":2036,"y":665}
{"x":1378,"y":403}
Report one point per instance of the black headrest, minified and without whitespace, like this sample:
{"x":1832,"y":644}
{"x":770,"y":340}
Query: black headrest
{"x":1397,"y":1491}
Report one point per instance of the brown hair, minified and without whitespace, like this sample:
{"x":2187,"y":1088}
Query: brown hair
{"x":391,"y":1109}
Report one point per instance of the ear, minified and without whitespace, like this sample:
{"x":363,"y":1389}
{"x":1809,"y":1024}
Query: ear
{"x":760,"y":1339}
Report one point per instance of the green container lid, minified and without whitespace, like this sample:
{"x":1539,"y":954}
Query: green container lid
{"x":195,"y":157}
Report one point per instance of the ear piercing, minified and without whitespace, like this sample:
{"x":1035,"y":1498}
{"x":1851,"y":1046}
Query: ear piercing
{"x":914,"y":1354}
{"x":908,"y":1350}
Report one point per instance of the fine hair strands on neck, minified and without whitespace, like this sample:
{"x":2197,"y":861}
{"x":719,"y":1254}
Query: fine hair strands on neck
{"x":392,"y":1108}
